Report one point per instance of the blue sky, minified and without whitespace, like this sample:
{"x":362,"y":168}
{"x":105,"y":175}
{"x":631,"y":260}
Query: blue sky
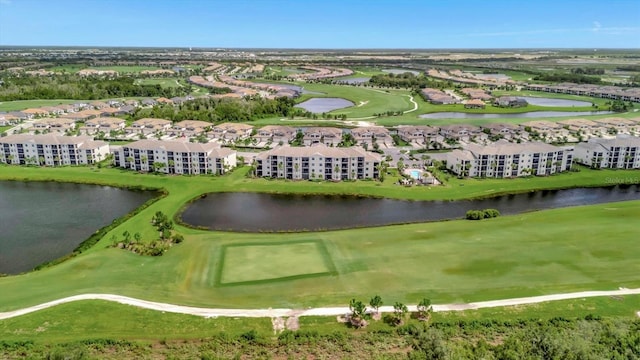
{"x":323,"y":24}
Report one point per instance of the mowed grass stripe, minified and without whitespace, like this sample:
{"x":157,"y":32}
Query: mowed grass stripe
{"x":250,"y":263}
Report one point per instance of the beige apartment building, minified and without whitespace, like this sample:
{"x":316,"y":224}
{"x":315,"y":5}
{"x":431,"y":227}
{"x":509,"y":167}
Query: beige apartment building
{"x":51,"y":150}
{"x":318,"y":162}
{"x":174,"y":157}
{"x":623,"y":152}
{"x":503,"y":159}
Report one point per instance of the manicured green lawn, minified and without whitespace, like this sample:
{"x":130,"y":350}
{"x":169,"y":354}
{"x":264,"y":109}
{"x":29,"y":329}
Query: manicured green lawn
{"x":562,"y":250}
{"x":164,"y":82}
{"x":367,"y":101}
{"x":26,"y":104}
{"x":254,"y":262}
{"x":107,"y":320}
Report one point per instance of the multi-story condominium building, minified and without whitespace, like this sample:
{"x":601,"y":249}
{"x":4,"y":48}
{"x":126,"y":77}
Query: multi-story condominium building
{"x":318,"y":162}
{"x":174,"y":157}
{"x":51,"y":150}
{"x":623,"y":152}
{"x":503,"y":159}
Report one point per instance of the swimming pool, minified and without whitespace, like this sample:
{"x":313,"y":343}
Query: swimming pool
{"x":416,"y":174}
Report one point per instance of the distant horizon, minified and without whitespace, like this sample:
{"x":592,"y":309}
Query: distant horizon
{"x":296,"y":48}
{"x":330,"y":24}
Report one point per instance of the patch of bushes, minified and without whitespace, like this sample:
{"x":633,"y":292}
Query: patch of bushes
{"x":156,"y":247}
{"x":482,"y":214}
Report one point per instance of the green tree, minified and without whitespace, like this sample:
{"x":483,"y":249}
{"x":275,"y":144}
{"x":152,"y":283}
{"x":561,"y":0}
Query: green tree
{"x":400,"y":311}
{"x":375,"y":303}
{"x":358,"y":309}
{"x":425,"y":309}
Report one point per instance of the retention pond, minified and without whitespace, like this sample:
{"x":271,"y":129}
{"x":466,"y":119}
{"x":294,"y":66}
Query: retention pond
{"x":256,"y":212}
{"x":42,"y":221}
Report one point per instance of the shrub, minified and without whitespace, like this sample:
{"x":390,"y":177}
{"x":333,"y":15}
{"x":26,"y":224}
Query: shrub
{"x":482,"y":214}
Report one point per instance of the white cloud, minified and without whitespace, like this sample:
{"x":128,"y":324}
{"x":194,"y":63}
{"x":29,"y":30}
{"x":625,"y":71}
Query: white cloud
{"x":596,"y":26}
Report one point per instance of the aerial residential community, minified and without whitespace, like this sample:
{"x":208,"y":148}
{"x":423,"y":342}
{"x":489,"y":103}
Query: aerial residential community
{"x":345,"y":180}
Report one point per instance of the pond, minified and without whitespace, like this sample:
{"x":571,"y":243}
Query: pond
{"x":531,"y":114}
{"x":323,"y":105}
{"x":542,"y":101}
{"x":352,"y":81}
{"x":256,"y":212}
{"x":297,"y":88}
{"x":42,"y":221}
{"x":401,"y":71}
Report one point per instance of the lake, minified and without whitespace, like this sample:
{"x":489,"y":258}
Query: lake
{"x":297,"y":88}
{"x":401,"y":71}
{"x":531,"y":114}
{"x":352,"y":81}
{"x":256,"y":212}
{"x":42,"y":221}
{"x":323,"y":105}
{"x":542,"y":101}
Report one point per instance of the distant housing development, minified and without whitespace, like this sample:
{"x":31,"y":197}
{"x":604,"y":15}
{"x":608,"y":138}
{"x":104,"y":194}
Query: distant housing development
{"x":318,"y":162}
{"x":623,"y":152}
{"x":606,"y":92}
{"x":504,"y":159}
{"x":51,"y":150}
{"x":175,"y":157}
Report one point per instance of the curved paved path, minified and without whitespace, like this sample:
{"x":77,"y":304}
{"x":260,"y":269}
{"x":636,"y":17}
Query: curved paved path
{"x":325,"y":311}
{"x":415,"y":105}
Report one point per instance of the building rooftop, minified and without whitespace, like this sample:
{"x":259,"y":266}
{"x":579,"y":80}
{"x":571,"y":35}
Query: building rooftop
{"x":180,"y":146}
{"x":502,"y":147}
{"x":52,"y":139}
{"x":320,"y":150}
